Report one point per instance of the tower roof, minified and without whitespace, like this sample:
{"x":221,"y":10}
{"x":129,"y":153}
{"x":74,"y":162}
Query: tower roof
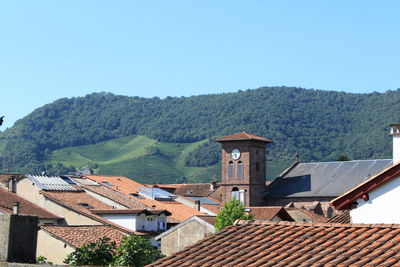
{"x":243,"y":136}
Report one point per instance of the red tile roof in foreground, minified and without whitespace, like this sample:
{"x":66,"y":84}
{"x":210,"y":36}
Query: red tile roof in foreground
{"x":179,"y":212}
{"x":344,"y":201}
{"x":7,"y":200}
{"x":243,"y":136}
{"x":76,"y":236}
{"x":290,"y":244}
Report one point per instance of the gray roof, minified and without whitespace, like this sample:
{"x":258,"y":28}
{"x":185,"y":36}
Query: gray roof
{"x":325,"y":179}
{"x":50,"y":183}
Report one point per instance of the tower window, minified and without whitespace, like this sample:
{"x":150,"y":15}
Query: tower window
{"x":242,"y":196}
{"x":235,"y":193}
{"x":230,"y":170}
{"x":240,"y":170}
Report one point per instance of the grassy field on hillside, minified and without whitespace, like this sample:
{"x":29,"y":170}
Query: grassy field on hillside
{"x":144,"y":160}
{"x":139,"y":158}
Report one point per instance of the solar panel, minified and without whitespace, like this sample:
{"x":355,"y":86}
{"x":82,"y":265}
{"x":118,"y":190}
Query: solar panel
{"x":203,"y":200}
{"x":157,"y":193}
{"x":51,"y":183}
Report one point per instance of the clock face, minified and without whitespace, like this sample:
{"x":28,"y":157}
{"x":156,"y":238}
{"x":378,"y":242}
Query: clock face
{"x":235,"y":154}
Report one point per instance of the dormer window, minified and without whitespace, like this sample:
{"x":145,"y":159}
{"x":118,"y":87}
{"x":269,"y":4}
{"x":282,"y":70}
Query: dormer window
{"x":240,"y":170}
{"x":230,"y":170}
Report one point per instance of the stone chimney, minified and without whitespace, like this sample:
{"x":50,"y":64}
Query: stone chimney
{"x":395,"y":133}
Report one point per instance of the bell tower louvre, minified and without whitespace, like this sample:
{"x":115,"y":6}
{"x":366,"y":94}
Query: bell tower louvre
{"x":243,"y":168}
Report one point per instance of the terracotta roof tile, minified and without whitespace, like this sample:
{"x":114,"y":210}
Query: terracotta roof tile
{"x":76,"y":236}
{"x":26,"y":207}
{"x":268,"y":213}
{"x":115,"y":196}
{"x":343,"y":217}
{"x":260,"y":243}
{"x":243,"y":136}
{"x":72,"y":200}
{"x":179,"y":211}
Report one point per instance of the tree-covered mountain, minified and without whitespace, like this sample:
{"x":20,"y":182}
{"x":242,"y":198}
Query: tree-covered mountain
{"x":318,"y":125}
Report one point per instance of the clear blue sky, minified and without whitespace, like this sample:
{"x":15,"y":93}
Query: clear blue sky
{"x":55,"y":49}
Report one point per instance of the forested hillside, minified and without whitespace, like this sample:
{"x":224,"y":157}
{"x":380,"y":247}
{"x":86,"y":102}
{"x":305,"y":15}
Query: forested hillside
{"x":318,"y":125}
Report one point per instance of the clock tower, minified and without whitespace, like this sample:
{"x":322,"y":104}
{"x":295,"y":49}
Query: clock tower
{"x":243,"y":168}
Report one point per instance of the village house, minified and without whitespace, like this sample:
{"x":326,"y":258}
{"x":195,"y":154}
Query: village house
{"x":59,"y":241}
{"x":200,"y":226}
{"x":372,"y":201}
{"x":11,"y":203}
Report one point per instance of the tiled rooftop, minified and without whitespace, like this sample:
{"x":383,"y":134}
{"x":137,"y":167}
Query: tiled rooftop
{"x":26,"y":207}
{"x":179,"y":211}
{"x":76,"y":236}
{"x":74,"y":201}
{"x":343,"y":217}
{"x":268,"y":213}
{"x":115,"y":196}
{"x":263,"y":243}
{"x":243,"y":136}
{"x":299,"y":215}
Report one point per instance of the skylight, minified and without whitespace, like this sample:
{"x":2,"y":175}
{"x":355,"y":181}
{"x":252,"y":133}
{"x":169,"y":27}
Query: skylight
{"x":136,"y":195}
{"x":203,"y":200}
{"x":85,"y":205}
{"x":157,"y":194}
{"x":107,"y":183}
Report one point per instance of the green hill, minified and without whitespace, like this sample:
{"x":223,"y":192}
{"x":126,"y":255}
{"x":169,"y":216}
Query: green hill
{"x":318,"y":125}
{"x":138,"y":157}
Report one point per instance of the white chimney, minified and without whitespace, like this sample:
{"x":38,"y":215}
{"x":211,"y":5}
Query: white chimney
{"x":395,"y":133}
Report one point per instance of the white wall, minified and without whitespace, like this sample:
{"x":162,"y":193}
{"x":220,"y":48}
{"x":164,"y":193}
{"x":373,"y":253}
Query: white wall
{"x":137,"y":222}
{"x":382,"y":206}
{"x":126,"y":220}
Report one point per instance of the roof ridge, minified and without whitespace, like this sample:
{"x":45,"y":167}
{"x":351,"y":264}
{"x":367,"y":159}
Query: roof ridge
{"x":339,"y":225}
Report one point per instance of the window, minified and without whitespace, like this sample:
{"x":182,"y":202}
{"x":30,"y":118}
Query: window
{"x":107,"y":183}
{"x":257,"y":166}
{"x":230,"y":170}
{"x":85,"y":205}
{"x":240,"y":170}
{"x":242,"y":196}
{"x":235,"y":193}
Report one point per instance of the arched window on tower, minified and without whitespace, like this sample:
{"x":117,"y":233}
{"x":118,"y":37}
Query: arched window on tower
{"x":242,"y":196}
{"x":235,"y":193}
{"x":240,"y":170}
{"x":230,"y":170}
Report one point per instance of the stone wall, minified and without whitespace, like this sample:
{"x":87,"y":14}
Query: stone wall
{"x":18,"y":238}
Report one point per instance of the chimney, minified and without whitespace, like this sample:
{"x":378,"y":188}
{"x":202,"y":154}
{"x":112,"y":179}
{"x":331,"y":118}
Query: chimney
{"x":395,"y":133}
{"x":12,"y":184}
{"x":197,"y":204}
{"x":16,"y":206}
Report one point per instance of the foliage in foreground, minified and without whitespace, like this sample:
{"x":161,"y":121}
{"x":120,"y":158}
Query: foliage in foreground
{"x":134,"y":251}
{"x":100,"y":253}
{"x":231,"y":211}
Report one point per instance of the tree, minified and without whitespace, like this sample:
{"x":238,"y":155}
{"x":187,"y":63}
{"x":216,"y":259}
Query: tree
{"x":231,"y":211}
{"x":136,"y":251}
{"x":100,"y":253}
